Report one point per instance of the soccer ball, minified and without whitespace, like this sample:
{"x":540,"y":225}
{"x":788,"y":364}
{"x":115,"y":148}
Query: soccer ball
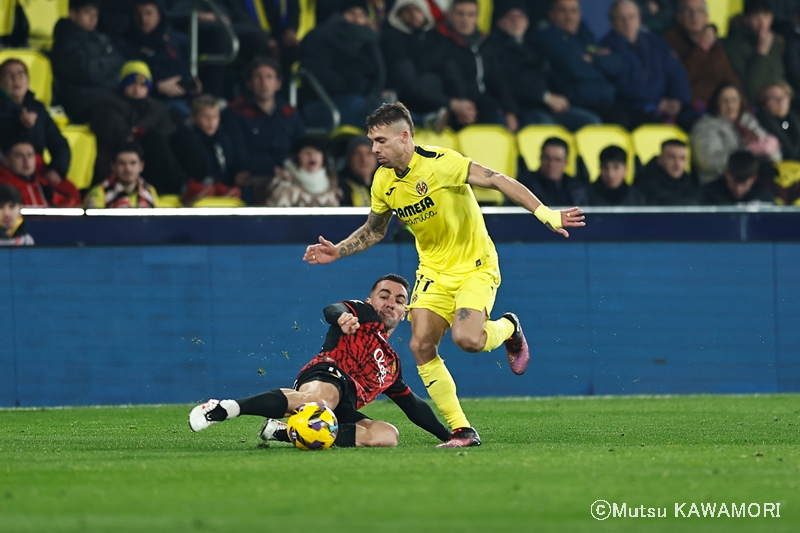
{"x":312,"y":427}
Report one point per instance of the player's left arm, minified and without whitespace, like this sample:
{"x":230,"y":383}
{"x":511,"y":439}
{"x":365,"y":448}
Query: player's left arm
{"x":417,"y":410}
{"x":557,"y":221}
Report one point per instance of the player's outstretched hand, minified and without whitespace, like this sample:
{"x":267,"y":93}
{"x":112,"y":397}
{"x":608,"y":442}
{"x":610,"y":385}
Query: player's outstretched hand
{"x":322,"y":253}
{"x":348,"y":322}
{"x":571,"y":218}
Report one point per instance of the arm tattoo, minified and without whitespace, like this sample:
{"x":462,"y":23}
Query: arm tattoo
{"x":463,"y":314}
{"x":488,"y":173}
{"x":365,"y":236}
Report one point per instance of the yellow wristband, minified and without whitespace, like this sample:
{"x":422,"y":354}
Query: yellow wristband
{"x":548,"y":217}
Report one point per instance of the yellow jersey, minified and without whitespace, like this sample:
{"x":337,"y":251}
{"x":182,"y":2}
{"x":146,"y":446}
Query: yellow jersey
{"x":434,"y":199}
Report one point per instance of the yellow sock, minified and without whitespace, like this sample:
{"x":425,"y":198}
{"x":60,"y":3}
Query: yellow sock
{"x":497,"y":332}
{"x":442,"y":390}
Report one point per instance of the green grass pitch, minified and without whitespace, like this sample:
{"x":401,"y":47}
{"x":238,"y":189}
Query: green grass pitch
{"x":543,"y":464}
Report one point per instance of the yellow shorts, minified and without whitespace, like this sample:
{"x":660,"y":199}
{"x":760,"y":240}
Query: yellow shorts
{"x":444,"y":293}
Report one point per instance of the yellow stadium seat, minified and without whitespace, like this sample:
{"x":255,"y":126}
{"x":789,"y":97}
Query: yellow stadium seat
{"x":531,"y":138}
{"x":219,"y":201}
{"x":39,"y":71}
{"x":591,"y":140}
{"x":493,"y":147}
{"x":485,"y":10}
{"x":42,"y":17}
{"x":346,"y":130}
{"x":168,"y":200}
{"x":7,"y":17}
{"x":83,"y":145}
{"x":647,"y":140}
{"x":720,"y":13}
{"x":446,"y":139}
{"x":308,"y":17}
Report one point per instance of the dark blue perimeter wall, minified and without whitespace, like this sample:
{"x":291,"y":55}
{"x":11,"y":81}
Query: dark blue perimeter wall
{"x":183,"y":323}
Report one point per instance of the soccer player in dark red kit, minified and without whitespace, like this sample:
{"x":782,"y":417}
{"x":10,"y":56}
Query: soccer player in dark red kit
{"x":355,"y":365}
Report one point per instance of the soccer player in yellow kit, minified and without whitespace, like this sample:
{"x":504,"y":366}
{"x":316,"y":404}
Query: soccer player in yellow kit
{"x":458,"y":275}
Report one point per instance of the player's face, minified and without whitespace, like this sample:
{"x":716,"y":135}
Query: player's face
{"x":389,"y":144}
{"x":389,"y":299}
{"x":613,"y":173}
{"x":673,"y":160}
{"x":9,"y":214}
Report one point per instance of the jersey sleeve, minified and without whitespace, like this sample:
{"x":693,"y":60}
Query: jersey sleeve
{"x":452,"y":168}
{"x":378,"y":203}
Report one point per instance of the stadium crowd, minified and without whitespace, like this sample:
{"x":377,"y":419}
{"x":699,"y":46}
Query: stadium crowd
{"x":123,"y":68}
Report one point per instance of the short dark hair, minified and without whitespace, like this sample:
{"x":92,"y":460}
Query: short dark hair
{"x":392,"y":277}
{"x":130,"y":147}
{"x":556,"y":141}
{"x":261,"y":61}
{"x":454,"y":2}
{"x":613,"y":153}
{"x":13,"y":141}
{"x":753,"y":7}
{"x":13,"y":61}
{"x":672,"y":142}
{"x":742,"y":165}
{"x":388,"y":114}
{"x":75,"y":5}
{"x":9,"y":195}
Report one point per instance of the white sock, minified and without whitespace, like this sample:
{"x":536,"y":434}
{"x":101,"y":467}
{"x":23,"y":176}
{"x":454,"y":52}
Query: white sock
{"x":231,"y":407}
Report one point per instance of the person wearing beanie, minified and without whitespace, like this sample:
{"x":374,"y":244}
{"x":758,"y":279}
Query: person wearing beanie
{"x":307,"y":179}
{"x":150,"y":39}
{"x":22,"y":116}
{"x":356,"y":178}
{"x":132,"y":114}
{"x":12,"y":227}
{"x":85,"y":62}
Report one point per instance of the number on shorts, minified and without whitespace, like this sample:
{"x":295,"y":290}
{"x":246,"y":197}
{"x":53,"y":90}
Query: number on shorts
{"x":427,"y":284}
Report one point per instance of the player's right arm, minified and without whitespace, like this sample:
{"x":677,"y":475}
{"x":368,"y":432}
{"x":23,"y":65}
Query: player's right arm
{"x":364,"y":237}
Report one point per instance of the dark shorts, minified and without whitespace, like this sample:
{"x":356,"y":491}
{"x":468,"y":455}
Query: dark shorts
{"x":346,"y":411}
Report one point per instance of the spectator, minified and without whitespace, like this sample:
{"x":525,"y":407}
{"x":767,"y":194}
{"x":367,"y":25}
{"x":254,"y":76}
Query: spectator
{"x":12,"y":227}
{"x":263,"y":126}
{"x":420,"y":68}
{"x":550,"y":184}
{"x":125,"y":187}
{"x":588,"y":72}
{"x":482,"y":79}
{"x":24,"y":117}
{"x":22,"y":169}
{"x":779,"y":119}
{"x":207,"y":152}
{"x":307,"y":179}
{"x":657,"y":15}
{"x":754,"y":50}
{"x":664,"y":180}
{"x":525,"y":66}
{"x":360,"y":167}
{"x":133,"y":114}
{"x":739,"y":184}
{"x":166,"y":52}
{"x":343,"y":53}
{"x":703,"y":55}
{"x":728,"y":127}
{"x":610,"y":188}
{"x":653,"y":83}
{"x":85,"y":63}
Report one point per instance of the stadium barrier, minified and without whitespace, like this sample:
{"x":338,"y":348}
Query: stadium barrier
{"x":176,"y":323}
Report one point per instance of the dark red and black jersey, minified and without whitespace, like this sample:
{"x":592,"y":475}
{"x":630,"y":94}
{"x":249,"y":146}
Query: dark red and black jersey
{"x":365,"y":355}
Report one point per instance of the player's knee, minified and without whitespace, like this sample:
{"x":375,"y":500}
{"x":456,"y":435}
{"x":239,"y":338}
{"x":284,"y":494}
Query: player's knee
{"x":381,"y":435}
{"x":422,"y":349}
{"x":467,"y":341}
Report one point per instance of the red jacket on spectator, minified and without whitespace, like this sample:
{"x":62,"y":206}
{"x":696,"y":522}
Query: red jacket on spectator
{"x":38,"y":192}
